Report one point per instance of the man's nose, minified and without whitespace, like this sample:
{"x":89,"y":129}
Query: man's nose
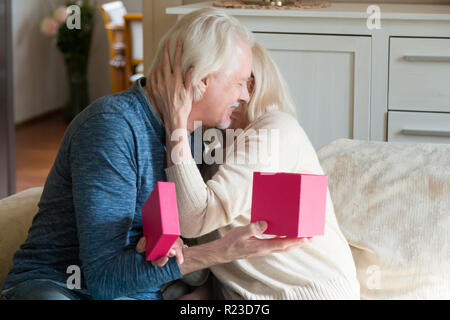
{"x":245,"y":95}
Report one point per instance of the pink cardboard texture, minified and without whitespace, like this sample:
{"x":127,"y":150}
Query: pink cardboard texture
{"x":293,"y":205}
{"x":160,"y":220}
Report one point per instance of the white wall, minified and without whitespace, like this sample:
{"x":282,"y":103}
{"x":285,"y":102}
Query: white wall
{"x":39,"y":86}
{"x":40,"y":83}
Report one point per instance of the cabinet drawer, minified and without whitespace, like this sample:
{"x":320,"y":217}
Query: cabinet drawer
{"x":418,"y":127}
{"x":419,"y":74}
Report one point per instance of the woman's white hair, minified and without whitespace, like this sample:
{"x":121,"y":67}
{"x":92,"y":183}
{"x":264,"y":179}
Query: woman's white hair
{"x":209,"y":37}
{"x":270,"y":91}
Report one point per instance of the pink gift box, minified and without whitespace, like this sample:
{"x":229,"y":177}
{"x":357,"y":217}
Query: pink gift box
{"x":293,"y":205}
{"x":160,"y":220}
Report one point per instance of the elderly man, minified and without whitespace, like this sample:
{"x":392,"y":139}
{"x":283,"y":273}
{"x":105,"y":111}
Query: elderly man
{"x":108,"y":163}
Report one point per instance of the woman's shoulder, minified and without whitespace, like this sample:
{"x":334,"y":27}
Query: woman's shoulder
{"x":283,"y":122}
{"x":286,"y":129}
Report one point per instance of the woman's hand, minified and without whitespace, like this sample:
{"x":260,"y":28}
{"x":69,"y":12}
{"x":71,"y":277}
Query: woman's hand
{"x":173,"y":97}
{"x":173,"y":94}
{"x":175,"y":251}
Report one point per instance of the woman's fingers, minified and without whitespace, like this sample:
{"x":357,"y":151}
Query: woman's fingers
{"x":167,"y":68}
{"x":188,"y":80}
{"x":177,"y":70}
{"x":154,"y":82}
{"x":172,"y":90}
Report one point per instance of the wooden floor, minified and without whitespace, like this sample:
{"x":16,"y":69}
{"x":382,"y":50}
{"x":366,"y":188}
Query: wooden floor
{"x":37,"y":143}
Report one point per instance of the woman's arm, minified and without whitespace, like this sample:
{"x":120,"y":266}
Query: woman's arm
{"x":173,"y":96}
{"x":205,"y":207}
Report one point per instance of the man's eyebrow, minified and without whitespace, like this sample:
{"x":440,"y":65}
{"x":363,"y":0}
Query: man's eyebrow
{"x":246,"y":79}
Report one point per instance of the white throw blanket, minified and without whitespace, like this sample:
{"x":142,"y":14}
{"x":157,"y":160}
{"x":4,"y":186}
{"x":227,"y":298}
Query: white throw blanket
{"x":392,"y":202}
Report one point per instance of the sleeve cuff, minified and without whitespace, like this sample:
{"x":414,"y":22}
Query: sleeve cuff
{"x":190,"y":187}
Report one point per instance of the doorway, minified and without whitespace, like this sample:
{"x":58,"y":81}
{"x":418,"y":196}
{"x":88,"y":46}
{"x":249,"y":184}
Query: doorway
{"x":7,"y":158}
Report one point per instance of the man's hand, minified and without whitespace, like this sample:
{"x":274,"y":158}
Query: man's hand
{"x":175,"y":251}
{"x":239,"y":243}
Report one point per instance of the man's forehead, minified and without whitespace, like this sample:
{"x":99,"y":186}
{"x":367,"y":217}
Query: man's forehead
{"x":243,"y":72}
{"x":238,"y":69}
{"x":243,"y":59}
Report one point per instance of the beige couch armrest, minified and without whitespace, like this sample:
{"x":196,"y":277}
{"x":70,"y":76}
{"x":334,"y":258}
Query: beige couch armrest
{"x":16,"y":215}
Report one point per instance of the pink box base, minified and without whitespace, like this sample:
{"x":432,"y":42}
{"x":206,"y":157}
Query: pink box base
{"x":160,"y":248}
{"x":293,"y":205}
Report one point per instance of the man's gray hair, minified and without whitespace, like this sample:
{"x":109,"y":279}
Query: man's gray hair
{"x":209,"y":43}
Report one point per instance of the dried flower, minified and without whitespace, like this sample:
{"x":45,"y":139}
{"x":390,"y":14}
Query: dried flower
{"x":60,"y":14}
{"x":49,"y":26}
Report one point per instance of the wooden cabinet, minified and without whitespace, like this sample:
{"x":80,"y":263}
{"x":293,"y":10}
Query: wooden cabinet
{"x":329,"y":80}
{"x":419,"y":127}
{"x":419,"y":90}
{"x":419,"y":74}
{"x":348,"y":78}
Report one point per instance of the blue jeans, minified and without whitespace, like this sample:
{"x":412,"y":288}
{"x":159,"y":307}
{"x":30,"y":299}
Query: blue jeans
{"x":42,"y":289}
{"x":46,"y":290}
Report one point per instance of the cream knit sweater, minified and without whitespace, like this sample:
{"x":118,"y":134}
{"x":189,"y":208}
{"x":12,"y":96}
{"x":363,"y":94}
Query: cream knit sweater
{"x":323,"y":269}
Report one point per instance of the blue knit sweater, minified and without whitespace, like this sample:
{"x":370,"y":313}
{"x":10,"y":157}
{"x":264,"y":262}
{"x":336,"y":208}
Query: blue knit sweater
{"x":111,"y":157}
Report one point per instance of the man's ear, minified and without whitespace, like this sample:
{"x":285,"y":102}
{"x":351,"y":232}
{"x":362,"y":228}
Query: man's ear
{"x":203,"y":85}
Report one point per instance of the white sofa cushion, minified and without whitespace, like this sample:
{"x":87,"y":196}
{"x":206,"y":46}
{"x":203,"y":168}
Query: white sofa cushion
{"x":392,"y":201}
{"x":16,"y":215}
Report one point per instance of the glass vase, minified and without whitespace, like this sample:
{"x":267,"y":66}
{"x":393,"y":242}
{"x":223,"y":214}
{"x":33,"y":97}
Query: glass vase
{"x":77,"y":76}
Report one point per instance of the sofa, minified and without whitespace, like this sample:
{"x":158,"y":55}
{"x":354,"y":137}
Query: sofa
{"x":392,"y":202}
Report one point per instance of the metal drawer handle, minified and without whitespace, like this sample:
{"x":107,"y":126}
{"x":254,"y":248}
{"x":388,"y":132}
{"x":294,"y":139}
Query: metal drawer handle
{"x":428,"y":58}
{"x":418,"y":132}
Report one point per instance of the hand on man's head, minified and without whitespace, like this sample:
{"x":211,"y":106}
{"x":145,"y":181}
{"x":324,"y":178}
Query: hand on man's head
{"x":172,"y":91}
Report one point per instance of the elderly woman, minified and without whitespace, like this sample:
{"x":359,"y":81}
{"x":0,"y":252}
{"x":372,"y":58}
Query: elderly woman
{"x":211,"y":205}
